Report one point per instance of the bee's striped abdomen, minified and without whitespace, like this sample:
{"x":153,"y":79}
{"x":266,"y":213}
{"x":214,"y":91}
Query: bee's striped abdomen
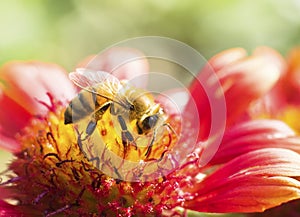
{"x":81,"y":106}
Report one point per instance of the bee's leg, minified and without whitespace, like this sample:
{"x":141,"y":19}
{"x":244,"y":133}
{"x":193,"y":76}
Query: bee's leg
{"x":126,"y":135}
{"x":96,"y":116}
{"x":80,"y":144}
{"x":91,"y":127}
{"x":154,"y":137}
{"x":148,"y":152}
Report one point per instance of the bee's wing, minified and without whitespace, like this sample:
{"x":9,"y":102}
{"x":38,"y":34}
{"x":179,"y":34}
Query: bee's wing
{"x":92,"y":81}
{"x":85,"y":78}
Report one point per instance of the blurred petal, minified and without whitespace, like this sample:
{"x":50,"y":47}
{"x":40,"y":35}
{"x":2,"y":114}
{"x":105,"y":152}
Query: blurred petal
{"x":249,"y":79}
{"x":13,"y":116}
{"x":284,"y":93}
{"x":8,"y":143}
{"x":243,"y":80}
{"x":269,"y":105}
{"x":255,"y":135}
{"x":293,"y":74}
{"x":225,"y":58}
{"x":124,"y":63}
{"x":29,"y":82}
{"x":252,"y":182}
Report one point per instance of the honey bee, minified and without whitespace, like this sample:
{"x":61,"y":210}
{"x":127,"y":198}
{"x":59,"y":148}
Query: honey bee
{"x":102,"y":92}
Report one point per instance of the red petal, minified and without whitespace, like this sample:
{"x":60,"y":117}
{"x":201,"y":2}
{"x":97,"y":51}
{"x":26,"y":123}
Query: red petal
{"x":286,"y":90}
{"x":225,"y":58}
{"x":8,"y":143}
{"x":8,"y":210}
{"x":254,"y":135}
{"x":124,"y":63}
{"x":28,"y":82}
{"x":252,"y":182}
{"x":249,"y":79}
{"x":13,"y":116}
{"x":243,"y":80}
{"x":203,"y":94}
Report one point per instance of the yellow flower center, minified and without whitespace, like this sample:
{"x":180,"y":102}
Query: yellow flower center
{"x":56,"y":175}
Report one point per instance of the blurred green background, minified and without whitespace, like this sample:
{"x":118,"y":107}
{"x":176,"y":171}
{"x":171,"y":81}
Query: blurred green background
{"x":66,"y":31}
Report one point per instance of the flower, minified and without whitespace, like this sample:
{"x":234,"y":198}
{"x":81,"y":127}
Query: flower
{"x":256,"y":167}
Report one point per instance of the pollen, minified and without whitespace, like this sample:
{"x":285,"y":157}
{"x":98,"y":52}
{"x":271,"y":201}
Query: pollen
{"x":54,"y":176}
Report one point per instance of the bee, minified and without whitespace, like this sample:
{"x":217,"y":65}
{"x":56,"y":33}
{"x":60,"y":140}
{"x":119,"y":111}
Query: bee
{"x":102,"y":92}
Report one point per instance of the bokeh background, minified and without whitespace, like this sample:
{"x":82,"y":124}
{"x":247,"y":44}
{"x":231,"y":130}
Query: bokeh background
{"x":66,"y":31}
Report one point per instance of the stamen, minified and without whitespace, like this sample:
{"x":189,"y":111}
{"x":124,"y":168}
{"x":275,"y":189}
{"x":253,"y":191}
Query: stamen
{"x":39,"y":197}
{"x":52,"y":106}
{"x":52,"y":154}
{"x":49,"y":214}
{"x":64,"y":161}
{"x":10,"y":181}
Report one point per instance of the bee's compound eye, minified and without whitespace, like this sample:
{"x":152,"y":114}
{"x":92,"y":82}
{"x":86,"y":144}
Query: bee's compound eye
{"x":149,"y":122}
{"x":131,"y":107}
